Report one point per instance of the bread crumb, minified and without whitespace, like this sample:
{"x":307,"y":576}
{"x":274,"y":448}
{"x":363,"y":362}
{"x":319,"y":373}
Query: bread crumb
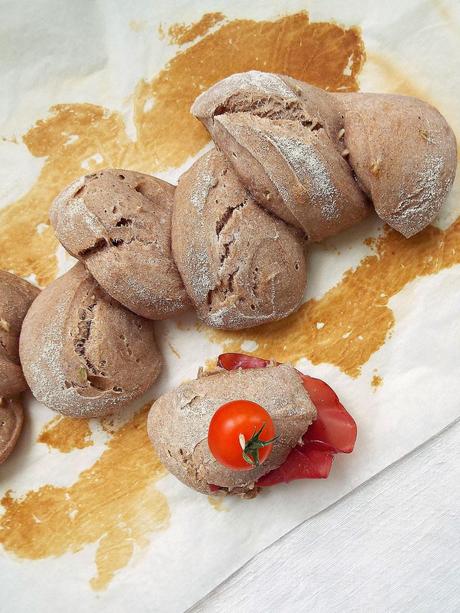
{"x":375,"y":167}
{"x":4,"y":325}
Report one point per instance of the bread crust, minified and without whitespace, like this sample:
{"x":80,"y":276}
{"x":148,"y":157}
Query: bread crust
{"x":318,"y":159}
{"x":16,"y":296}
{"x":83,"y":353}
{"x":284,"y":140}
{"x":404,"y":154}
{"x":11,"y":421}
{"x":118,"y":223}
{"x":241,"y":266}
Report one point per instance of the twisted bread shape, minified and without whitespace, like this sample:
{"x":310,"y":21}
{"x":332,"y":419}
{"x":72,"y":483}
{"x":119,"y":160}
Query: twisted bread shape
{"x":292,"y":161}
{"x":317,"y":159}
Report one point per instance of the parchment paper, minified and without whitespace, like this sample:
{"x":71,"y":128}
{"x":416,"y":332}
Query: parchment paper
{"x":97,"y":53}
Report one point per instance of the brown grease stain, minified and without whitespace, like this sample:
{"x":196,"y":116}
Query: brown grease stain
{"x":167,"y":134}
{"x":355,"y":312}
{"x":66,"y":434}
{"x":181,"y":33}
{"x":113,"y":503}
{"x":447,"y":15}
{"x":217,"y":503}
{"x":376,"y":381}
{"x":396,"y":77}
{"x":137,"y":25}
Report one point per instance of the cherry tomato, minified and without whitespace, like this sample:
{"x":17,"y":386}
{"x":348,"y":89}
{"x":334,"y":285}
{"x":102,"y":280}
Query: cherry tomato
{"x":233,"y":421}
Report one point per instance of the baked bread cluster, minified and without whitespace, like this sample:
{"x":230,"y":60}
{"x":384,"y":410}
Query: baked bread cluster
{"x":291,"y":164}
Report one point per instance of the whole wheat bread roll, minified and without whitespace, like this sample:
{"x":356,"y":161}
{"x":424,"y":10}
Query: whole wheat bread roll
{"x":241,"y":266}
{"x":118,"y":223}
{"x":179,"y":420}
{"x":284,"y":140}
{"x":404,"y":154}
{"x":84,"y":354}
{"x":11,"y":420}
{"x":315,"y":158}
{"x":16,"y":296}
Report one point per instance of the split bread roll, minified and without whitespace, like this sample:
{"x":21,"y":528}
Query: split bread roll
{"x":118,"y":223}
{"x":16,"y":296}
{"x":315,"y":158}
{"x":240,"y":265}
{"x":179,"y":420}
{"x":11,"y":421}
{"x":83,"y":353}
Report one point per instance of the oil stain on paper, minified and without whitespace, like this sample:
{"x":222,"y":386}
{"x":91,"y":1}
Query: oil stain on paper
{"x":114,"y":504}
{"x":66,"y":434}
{"x":355,"y":315}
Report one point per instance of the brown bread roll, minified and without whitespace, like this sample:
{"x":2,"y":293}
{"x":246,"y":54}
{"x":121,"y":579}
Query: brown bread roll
{"x":118,"y":223}
{"x":283,"y":138}
{"x":11,"y":420}
{"x":16,"y":296}
{"x":83,"y":353}
{"x":404,"y":154}
{"x":179,"y":420}
{"x":241,"y":266}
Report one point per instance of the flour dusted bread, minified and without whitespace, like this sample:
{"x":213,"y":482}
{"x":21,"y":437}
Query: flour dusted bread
{"x":284,"y":140}
{"x":118,"y":223}
{"x":11,"y":420}
{"x":241,"y":266}
{"x":404,"y":154}
{"x":83,"y":353}
{"x":179,"y":420}
{"x":16,"y":296}
{"x":315,"y":159}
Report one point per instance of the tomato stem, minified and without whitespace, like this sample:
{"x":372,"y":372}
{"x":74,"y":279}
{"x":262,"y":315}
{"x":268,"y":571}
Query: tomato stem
{"x":252,"y":446}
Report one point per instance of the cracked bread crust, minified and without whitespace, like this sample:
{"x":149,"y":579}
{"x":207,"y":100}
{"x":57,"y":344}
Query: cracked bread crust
{"x":284,"y":141}
{"x":179,"y":420}
{"x":16,"y":296}
{"x":118,"y":223}
{"x":83,"y":353}
{"x":241,"y":266}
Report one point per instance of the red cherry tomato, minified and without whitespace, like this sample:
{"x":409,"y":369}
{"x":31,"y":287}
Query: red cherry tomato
{"x":229,"y":422}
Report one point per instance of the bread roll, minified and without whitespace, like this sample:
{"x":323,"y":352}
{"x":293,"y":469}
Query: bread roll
{"x":404,"y":154}
{"x":16,"y":296}
{"x":11,"y":420}
{"x":83,"y":353}
{"x":179,"y":420}
{"x":118,"y":223}
{"x":241,"y":266}
{"x":283,"y":139}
